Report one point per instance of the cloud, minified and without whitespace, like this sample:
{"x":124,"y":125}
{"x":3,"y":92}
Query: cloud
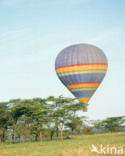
{"x":13,"y":34}
{"x":105,"y":36}
{"x":10,"y":2}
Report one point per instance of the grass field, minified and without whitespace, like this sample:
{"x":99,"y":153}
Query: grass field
{"x":78,"y":146}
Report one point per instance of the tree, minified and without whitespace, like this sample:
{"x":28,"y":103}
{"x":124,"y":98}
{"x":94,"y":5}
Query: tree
{"x":4,"y":120}
{"x":74,"y":122}
{"x":113,"y":124}
{"x":35,"y":118}
{"x":18,"y":108}
{"x":88,"y":130}
{"x":38,"y":112}
{"x":58,"y":113}
{"x":97,"y":125}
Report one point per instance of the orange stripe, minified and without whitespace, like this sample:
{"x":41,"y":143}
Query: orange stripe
{"x":77,"y":83}
{"x":84,"y":64}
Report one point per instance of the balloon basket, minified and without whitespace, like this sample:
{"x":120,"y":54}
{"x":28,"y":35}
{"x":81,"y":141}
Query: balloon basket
{"x":85,"y":109}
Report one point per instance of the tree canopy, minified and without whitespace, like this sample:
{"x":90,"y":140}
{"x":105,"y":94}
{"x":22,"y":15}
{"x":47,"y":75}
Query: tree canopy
{"x":51,"y":117}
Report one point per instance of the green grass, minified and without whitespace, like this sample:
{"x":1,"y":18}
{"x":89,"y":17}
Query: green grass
{"x":78,"y":146}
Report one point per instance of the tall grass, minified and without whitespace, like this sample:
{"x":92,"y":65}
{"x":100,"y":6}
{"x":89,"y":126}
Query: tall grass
{"x":78,"y":146}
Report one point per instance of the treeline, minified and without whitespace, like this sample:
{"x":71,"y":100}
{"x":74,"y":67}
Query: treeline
{"x":53,"y":117}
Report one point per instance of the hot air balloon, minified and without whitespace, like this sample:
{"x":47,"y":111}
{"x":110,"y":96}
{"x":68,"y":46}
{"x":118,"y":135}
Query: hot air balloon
{"x":81,"y":68}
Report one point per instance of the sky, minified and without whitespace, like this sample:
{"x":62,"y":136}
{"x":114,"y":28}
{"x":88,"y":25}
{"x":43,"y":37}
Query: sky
{"x":33,"y":32}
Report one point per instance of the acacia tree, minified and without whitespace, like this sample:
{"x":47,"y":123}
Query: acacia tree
{"x":4,"y":120}
{"x":18,"y":108}
{"x":74,"y":122}
{"x":32,"y":117}
{"x":98,"y":125}
{"x":113,"y":124}
{"x":38,"y":112}
{"x":58,"y":113}
{"x":29,"y":118}
{"x":64,"y":114}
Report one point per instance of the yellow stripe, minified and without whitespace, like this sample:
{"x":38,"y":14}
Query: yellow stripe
{"x":83,"y":86}
{"x":85,"y":100}
{"x":81,"y":72}
{"x":81,"y":68}
{"x":81,"y":89}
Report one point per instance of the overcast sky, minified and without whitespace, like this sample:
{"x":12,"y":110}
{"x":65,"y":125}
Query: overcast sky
{"x":32,"y":33}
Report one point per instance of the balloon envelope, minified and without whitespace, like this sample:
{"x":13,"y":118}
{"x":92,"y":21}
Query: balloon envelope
{"x":81,"y":68}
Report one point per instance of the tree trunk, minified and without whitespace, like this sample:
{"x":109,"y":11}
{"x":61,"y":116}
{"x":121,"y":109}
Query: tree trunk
{"x":72,"y":132}
{"x":40,"y":136}
{"x":3,"y":137}
{"x":51,"y":134}
{"x":13,"y":135}
{"x":61,"y":134}
{"x":36,"y":137}
{"x":30,"y":137}
{"x":61,"y":131}
{"x":13,"y":138}
{"x":57,"y":131}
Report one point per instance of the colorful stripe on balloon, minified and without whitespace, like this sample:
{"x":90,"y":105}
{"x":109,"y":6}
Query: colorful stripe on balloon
{"x":82,"y":79}
{"x":81,"y":67}
{"x":83,"y":90}
{"x":83,"y":85}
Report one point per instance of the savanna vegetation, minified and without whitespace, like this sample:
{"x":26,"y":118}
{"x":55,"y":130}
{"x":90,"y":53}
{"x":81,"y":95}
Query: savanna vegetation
{"x":80,"y":145}
{"x":52,"y":118}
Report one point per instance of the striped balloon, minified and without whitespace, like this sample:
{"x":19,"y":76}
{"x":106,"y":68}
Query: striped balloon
{"x":81,"y":68}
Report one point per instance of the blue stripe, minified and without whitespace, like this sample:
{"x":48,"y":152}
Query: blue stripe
{"x":84,"y":93}
{"x":83,"y":77}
